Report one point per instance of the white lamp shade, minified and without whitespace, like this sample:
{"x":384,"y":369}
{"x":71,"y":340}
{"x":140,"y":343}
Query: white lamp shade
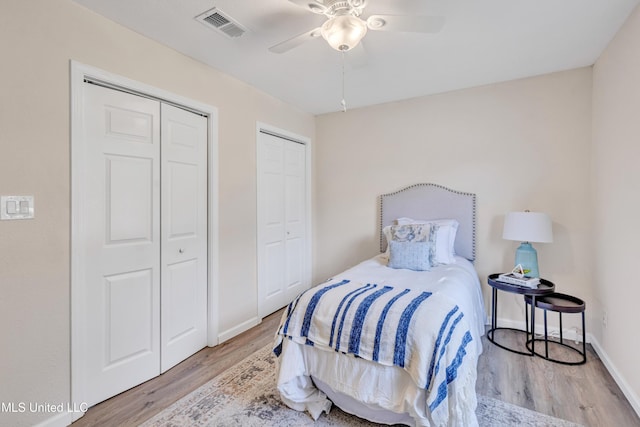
{"x":527,"y":227}
{"x":343,"y":32}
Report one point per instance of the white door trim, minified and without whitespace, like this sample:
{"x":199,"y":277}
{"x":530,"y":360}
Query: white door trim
{"x":306,"y":141}
{"x":79,"y":72}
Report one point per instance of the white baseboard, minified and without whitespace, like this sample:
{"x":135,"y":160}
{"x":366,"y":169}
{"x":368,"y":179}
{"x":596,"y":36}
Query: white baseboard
{"x":569,"y":334}
{"x":236,"y":330}
{"x":62,"y":419}
{"x":631,"y":396}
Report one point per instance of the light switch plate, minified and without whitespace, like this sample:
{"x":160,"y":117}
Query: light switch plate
{"x":16,"y":207}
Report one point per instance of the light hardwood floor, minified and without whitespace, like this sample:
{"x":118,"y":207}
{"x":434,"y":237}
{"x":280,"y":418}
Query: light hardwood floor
{"x":583,"y":394}
{"x":144,"y":401}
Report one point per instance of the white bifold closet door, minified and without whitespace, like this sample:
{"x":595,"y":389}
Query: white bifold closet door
{"x":282,"y":222}
{"x":144,"y":227}
{"x":184,"y":235}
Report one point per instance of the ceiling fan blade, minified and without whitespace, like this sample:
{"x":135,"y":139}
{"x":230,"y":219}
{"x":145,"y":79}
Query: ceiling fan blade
{"x":296,"y":41}
{"x":406,"y":23}
{"x":312,"y":5}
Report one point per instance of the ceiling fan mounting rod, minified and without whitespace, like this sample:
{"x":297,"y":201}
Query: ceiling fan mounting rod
{"x":344,"y":7}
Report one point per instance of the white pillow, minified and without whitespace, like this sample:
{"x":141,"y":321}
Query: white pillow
{"x":445,"y":237}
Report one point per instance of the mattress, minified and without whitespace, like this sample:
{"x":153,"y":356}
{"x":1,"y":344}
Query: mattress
{"x":311,"y":378}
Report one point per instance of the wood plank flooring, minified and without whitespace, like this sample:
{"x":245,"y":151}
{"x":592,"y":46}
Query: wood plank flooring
{"x":144,"y":401}
{"x":583,"y":394}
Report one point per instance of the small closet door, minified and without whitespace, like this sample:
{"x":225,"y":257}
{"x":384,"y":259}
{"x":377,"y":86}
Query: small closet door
{"x":282,"y":221}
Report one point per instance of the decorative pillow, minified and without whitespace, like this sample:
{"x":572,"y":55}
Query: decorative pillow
{"x":409,"y":232}
{"x":413,"y":233}
{"x":444,"y":240}
{"x":411,"y":255}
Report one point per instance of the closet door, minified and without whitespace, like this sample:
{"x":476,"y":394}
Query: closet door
{"x":144,"y":240}
{"x":282,"y":222}
{"x":120,"y":199}
{"x":184,"y":235}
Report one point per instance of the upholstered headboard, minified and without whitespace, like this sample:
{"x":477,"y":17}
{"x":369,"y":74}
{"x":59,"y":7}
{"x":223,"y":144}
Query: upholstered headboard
{"x":432,"y":201}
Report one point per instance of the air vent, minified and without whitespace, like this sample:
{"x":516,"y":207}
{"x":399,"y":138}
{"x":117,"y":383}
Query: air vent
{"x":221,"y":22}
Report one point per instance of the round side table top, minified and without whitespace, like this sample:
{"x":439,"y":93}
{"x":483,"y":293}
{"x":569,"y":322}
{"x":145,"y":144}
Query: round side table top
{"x":559,"y":303}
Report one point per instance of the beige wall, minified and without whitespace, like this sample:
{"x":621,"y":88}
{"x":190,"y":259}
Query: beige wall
{"x":616,"y":201}
{"x":544,"y":123}
{"x":38,"y":38}
{"x":518,"y":145}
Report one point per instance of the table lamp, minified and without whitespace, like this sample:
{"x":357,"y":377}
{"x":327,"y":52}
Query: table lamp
{"x":527,"y":227}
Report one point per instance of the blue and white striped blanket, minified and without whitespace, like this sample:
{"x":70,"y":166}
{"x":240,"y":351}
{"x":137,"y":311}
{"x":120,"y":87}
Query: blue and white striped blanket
{"x":426,"y":334}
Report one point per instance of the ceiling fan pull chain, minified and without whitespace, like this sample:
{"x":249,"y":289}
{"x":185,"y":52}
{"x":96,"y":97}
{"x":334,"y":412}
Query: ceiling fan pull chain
{"x":343,"y":102}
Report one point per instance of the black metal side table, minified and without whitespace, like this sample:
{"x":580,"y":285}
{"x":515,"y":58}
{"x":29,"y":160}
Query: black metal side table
{"x":559,"y":303}
{"x":544,"y":288}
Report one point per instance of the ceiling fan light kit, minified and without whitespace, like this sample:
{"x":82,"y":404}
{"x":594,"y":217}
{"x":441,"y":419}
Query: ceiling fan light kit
{"x":344,"y":32}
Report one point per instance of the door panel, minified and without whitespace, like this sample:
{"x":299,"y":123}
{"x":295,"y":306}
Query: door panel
{"x":271,"y":245}
{"x":294,"y":207}
{"x":294,"y":264}
{"x":129,"y":323}
{"x":184,"y":235}
{"x":129,"y":201}
{"x":274,"y":273}
{"x":182,"y":292}
{"x":121,"y":217}
{"x":183,"y":209}
{"x":282,"y":222}
{"x":135,"y":126}
{"x":294,"y":172}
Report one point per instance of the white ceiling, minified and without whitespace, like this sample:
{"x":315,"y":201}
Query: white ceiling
{"x":482,"y":42}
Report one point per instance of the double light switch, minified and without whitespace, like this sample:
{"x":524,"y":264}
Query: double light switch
{"x":16,"y":207}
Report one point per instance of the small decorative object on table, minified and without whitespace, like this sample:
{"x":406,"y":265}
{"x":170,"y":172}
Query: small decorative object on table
{"x":519,"y":271}
{"x":517,"y":277}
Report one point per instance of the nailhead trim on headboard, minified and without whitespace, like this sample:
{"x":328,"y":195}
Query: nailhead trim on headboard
{"x":471,"y":195}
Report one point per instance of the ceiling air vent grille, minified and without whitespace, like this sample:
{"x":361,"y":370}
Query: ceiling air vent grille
{"x":220,"y":22}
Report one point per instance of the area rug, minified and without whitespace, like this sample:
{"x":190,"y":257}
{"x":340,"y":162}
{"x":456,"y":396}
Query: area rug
{"x":245,"y":396}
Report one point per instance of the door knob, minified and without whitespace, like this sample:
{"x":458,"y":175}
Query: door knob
{"x":181,"y":250}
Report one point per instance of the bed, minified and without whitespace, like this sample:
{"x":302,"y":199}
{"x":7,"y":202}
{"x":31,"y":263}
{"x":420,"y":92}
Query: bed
{"x":396,"y":338}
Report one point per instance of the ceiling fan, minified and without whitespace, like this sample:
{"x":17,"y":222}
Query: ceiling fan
{"x":344,"y":28}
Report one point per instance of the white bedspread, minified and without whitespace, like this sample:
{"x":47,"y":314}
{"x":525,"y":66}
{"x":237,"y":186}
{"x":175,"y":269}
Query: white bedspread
{"x":433,"y":324}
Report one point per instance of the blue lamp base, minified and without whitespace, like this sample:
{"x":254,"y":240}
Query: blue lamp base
{"x":527,"y":257}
